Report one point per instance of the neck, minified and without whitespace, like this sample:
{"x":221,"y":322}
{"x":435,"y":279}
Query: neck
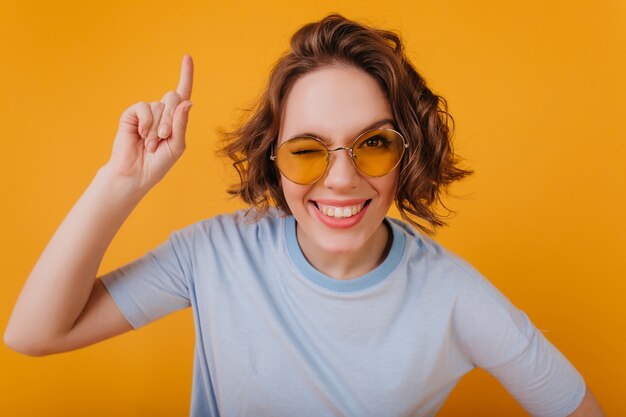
{"x":349,"y":265}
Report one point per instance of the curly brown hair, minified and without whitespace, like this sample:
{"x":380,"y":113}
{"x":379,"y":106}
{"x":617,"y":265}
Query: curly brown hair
{"x":421,"y":116}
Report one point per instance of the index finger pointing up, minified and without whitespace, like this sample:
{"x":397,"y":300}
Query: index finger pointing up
{"x":186,"y":78}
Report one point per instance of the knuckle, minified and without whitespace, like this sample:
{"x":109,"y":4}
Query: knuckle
{"x":170,"y":100}
{"x":142,"y":107}
{"x":173,"y":95}
{"x":157,"y":107}
{"x":135,"y":109}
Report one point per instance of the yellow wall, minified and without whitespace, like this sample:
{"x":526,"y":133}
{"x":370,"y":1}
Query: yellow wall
{"x":537,"y":90}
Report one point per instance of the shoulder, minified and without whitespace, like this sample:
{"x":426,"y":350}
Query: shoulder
{"x":243,"y":227}
{"x":440,"y":264}
{"x":431,"y":260}
{"x":483,"y":320}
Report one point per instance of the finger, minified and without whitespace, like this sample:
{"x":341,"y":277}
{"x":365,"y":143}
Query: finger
{"x":179,"y":126}
{"x":186,"y":78}
{"x":137,"y":119}
{"x":152,"y":140}
{"x":171,"y":100}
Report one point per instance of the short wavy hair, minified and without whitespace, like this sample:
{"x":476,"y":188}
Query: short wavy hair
{"x":421,"y":116}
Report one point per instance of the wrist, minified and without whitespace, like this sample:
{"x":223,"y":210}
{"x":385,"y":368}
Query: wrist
{"x":120,"y":186}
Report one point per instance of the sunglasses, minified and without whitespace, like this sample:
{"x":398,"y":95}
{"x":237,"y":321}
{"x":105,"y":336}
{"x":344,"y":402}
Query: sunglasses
{"x":305,"y":159}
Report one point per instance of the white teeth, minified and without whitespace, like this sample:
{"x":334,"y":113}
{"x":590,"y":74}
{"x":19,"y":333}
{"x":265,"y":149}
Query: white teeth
{"x":339,"y":212}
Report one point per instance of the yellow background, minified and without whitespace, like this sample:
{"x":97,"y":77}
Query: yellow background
{"x":537,"y":90}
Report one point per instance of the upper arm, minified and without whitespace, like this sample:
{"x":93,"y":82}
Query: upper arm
{"x":501,"y":339}
{"x":101,"y":319}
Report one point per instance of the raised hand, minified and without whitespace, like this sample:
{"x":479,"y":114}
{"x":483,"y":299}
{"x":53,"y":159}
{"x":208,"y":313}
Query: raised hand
{"x":151,"y":136}
{"x":63,"y":305}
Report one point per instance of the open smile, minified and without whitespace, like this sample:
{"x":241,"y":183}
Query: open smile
{"x":339,"y":212}
{"x":340,"y":215}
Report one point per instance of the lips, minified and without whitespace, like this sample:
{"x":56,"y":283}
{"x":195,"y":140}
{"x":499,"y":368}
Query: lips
{"x":340,"y":214}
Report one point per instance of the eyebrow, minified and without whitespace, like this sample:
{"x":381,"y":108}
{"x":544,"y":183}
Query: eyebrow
{"x":372,"y":126}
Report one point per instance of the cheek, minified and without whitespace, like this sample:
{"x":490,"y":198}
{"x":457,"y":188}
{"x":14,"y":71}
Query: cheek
{"x":294,"y":193}
{"x":387,"y":187}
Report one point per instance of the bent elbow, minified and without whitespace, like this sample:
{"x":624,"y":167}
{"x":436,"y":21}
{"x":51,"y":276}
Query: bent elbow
{"x":24,"y":347}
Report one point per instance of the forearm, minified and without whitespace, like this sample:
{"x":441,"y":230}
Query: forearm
{"x":61,"y":281}
{"x":588,"y":407}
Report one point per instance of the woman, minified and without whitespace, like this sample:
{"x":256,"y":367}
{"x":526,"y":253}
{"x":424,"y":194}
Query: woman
{"x":319,"y":305}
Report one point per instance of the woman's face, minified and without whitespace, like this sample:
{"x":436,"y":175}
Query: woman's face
{"x":336,"y":104}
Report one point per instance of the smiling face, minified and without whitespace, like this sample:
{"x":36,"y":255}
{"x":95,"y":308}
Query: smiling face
{"x":342,"y":212}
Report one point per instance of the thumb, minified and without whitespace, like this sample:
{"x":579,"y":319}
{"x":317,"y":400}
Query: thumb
{"x":179,"y":125}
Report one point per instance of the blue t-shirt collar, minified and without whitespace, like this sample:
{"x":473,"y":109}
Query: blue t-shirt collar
{"x":368,"y":280}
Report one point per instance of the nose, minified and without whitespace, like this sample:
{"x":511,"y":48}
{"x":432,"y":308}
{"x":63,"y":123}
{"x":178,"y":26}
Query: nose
{"x":341,"y":173}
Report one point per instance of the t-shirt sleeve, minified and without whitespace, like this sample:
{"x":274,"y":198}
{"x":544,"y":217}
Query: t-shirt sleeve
{"x":501,"y":339}
{"x":151,"y":286}
{"x":542,"y":380}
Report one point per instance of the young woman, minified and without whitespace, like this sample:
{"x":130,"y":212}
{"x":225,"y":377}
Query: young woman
{"x":313,"y":302}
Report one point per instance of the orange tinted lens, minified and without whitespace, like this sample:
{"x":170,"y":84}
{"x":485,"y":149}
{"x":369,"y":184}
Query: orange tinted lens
{"x":302,"y":160}
{"x":378,"y":152}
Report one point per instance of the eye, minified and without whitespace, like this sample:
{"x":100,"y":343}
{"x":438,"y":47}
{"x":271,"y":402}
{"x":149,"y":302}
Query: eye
{"x":377,"y":141}
{"x":303,"y":148}
{"x":305,"y":151}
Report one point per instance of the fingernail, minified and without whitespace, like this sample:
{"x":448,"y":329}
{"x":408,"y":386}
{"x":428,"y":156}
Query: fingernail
{"x":143,"y":134}
{"x":163,"y":131}
{"x":187,"y":107}
{"x":152,"y":145}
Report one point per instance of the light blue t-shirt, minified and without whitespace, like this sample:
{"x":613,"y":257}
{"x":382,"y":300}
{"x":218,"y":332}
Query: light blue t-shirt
{"x":275,"y":337}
